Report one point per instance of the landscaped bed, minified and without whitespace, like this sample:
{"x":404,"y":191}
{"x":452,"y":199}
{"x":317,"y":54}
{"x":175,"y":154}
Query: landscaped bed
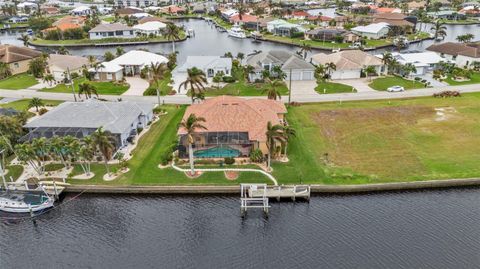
{"x":474,"y":79}
{"x":383,"y":83}
{"x":108,"y":88}
{"x":326,"y":87}
{"x":17,"y":82}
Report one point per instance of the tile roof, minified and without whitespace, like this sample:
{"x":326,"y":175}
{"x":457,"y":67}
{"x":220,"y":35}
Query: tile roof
{"x":80,"y":20}
{"x":11,"y":54}
{"x":115,"y":117}
{"x":245,"y":18}
{"x":451,"y":48}
{"x":110,"y":28}
{"x":371,"y":28}
{"x":347,"y":59}
{"x":234,"y":114}
{"x":149,"y":19}
{"x":203,"y":62}
{"x":67,"y":61}
{"x":277,"y":57}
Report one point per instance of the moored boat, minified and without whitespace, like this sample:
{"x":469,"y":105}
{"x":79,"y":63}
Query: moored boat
{"x":237,"y":32}
{"x":24,"y":201}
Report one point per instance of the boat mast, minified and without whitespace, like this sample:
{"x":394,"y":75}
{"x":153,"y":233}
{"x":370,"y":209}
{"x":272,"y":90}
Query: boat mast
{"x":3,"y":173}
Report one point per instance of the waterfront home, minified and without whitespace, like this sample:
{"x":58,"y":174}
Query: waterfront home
{"x":80,"y":119}
{"x":150,"y":28}
{"x":173,"y":10}
{"x":372,"y":31}
{"x":113,"y":30}
{"x":204,"y":7}
{"x":297,"y":15}
{"x":122,"y":12}
{"x":79,"y":20}
{"x":396,"y":20}
{"x":149,"y":19}
{"x":17,"y":58}
{"x":128,"y":64}
{"x":210,"y":65}
{"x":349,"y":63}
{"x":283,"y":28}
{"x":424,"y":62}
{"x":246,"y":19}
{"x":59,"y":65}
{"x":331,"y":34}
{"x":81,"y":11}
{"x":136,"y":3}
{"x":50,"y":10}
{"x":460,"y":53}
{"x":27,"y":7}
{"x":226,"y":14}
{"x":18,"y":19}
{"x":234,"y":126}
{"x":323,"y":21}
{"x":61,"y":27}
{"x":287,"y":61}
{"x":447,"y":15}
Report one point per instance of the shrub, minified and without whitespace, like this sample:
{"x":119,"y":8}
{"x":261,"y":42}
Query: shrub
{"x":74,"y":75}
{"x":42,"y":111}
{"x":256,"y":156}
{"x":228,"y":79}
{"x":229,"y":160}
{"x":139,"y":130}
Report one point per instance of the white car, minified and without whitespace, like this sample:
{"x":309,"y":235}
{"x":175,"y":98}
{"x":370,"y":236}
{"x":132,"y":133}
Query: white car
{"x":396,"y":89}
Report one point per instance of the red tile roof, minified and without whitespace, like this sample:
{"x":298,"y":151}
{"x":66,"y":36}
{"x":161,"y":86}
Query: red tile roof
{"x":245,"y":18}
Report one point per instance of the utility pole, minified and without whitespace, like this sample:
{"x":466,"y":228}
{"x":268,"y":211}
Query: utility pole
{"x":69,"y":76}
{"x":158,"y":96}
{"x":290,"y":88}
{"x":3,"y":173}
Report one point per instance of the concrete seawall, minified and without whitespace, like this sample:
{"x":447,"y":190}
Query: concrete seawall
{"x":315,"y":188}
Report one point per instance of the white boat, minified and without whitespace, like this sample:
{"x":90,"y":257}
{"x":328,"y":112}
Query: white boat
{"x":237,"y":32}
{"x":24,"y":202}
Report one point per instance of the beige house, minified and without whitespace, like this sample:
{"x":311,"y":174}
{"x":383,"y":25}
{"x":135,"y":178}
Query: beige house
{"x":235,"y":126}
{"x":108,"y":71}
{"x":59,"y":65}
{"x":17,"y":58}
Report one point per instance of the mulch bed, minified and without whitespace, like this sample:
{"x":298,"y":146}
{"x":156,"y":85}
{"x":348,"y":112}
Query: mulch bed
{"x":231,"y":175}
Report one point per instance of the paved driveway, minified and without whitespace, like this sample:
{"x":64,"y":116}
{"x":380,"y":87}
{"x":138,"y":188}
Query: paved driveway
{"x":303,"y":87}
{"x":137,"y":86}
{"x":360,"y":84}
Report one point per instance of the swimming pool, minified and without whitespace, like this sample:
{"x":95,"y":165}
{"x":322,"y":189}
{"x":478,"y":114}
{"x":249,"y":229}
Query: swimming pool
{"x":217,"y":152}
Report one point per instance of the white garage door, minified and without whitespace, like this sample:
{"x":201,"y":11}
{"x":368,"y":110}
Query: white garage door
{"x":301,"y":75}
{"x":296,"y":75}
{"x":307,"y":75}
{"x":346,"y":74}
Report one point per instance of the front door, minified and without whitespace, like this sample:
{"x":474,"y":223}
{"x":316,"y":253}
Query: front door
{"x":210,"y":73}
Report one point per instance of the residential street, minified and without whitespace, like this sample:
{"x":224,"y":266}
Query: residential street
{"x":301,"y":96}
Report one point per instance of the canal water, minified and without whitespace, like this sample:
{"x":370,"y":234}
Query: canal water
{"x":421,"y":229}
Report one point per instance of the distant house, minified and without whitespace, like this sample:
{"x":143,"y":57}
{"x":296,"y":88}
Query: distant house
{"x":424,"y":62}
{"x":234,"y":126}
{"x":349,"y":63}
{"x":245,"y":20}
{"x":210,"y":65}
{"x":149,"y":19}
{"x":173,"y":10}
{"x":79,"y":20}
{"x":81,"y":11}
{"x":297,"y":15}
{"x":204,"y":7}
{"x":81,"y":119}
{"x":27,"y":7}
{"x":394,"y":19}
{"x":122,"y":12}
{"x":18,"y":19}
{"x":227,"y":14}
{"x":323,"y":21}
{"x":50,"y":10}
{"x":150,"y":28}
{"x":447,"y":15}
{"x":372,"y":31}
{"x":114,"y":30}
{"x":17,"y":58}
{"x":460,"y":53}
{"x":108,"y":71}
{"x":288,"y":62}
{"x":59,"y":65}
{"x":331,"y":34}
{"x":283,"y":28}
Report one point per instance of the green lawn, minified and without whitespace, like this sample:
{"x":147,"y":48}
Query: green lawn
{"x":332,"y":87}
{"x":14,"y":171}
{"x":474,"y":79}
{"x":22,"y":105}
{"x":243,"y":89}
{"x":108,"y":88}
{"x":144,"y":165}
{"x":17,"y":82}
{"x":165,"y":89}
{"x":381,"y":84}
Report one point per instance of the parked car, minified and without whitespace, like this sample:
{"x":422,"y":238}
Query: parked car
{"x":395,"y":89}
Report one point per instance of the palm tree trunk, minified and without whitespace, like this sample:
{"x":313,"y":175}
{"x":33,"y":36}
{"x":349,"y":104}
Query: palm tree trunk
{"x":285,"y":149}
{"x":106,"y":166}
{"x":269,"y":160}
{"x":190,"y":158}
{"x":173,"y":46}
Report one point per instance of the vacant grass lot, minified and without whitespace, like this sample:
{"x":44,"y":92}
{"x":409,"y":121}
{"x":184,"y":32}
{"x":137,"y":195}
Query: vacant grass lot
{"x":383,"y":83}
{"x":108,"y":88}
{"x":242,"y":88}
{"x":326,"y":87}
{"x":17,"y":82}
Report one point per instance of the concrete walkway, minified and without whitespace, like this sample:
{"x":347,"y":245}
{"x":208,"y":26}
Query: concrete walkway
{"x":361,"y":84}
{"x":137,"y":86}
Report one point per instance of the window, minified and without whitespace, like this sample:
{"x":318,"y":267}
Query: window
{"x":111,"y":33}
{"x":118,"y":32}
{"x":131,"y":32}
{"x":16,"y":65}
{"x":109,"y":76}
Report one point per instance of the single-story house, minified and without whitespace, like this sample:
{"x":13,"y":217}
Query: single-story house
{"x":297,"y":15}
{"x":149,"y":19}
{"x":59,"y":65}
{"x":349,"y":63}
{"x":50,"y":10}
{"x":79,"y":20}
{"x":372,"y":31}
{"x":447,"y":15}
{"x":331,"y":34}
{"x":80,"y":119}
{"x":460,"y":53}
{"x":226,"y":14}
{"x":113,"y":30}
{"x":173,"y":10}
{"x":17,"y":58}
{"x":18,"y":19}
{"x":122,"y":12}
{"x":424,"y":62}
{"x":81,"y":11}
{"x":234,"y":126}
{"x":107,"y":71}
{"x":210,"y":65}
{"x":246,"y":19}
{"x":283,"y":28}
{"x":27,"y":7}
{"x":151,"y":27}
{"x":394,"y":19}
{"x":267,"y":60}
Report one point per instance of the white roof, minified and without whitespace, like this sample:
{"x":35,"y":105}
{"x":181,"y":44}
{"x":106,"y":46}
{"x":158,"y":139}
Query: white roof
{"x":203,"y":62}
{"x":429,"y":57}
{"x":140,"y":15}
{"x":139,"y":57}
{"x":150,"y":26}
{"x":371,"y":28}
{"x":230,"y":12}
{"x":153,"y":8}
{"x":80,"y":9}
{"x":107,"y":67}
{"x":25,"y":4}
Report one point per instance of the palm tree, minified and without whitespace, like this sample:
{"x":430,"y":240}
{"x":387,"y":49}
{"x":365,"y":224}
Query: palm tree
{"x":172,"y":33}
{"x":36,"y":103}
{"x":369,"y":70}
{"x":190,"y":126}
{"x":288,"y":132}
{"x":108,"y":56}
{"x":104,"y":141}
{"x":86,"y":154}
{"x":387,"y":58}
{"x":329,"y":68}
{"x":304,"y":49}
{"x":466,"y":38}
{"x":87,"y":89}
{"x":320,"y":72}
{"x":274,"y":135}
{"x":157,"y":72}
{"x":91,"y":60}
{"x":5,"y":70}
{"x":24,"y":38}
{"x":241,"y":11}
{"x":272,"y":89}
{"x":195,"y":81}
{"x":63,"y":51}
{"x":119,"y":51}
{"x":440,"y":30}
{"x":48,"y":78}
{"x":409,"y":68}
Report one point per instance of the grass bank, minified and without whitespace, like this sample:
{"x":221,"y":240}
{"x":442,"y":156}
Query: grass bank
{"x":18,"y":82}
